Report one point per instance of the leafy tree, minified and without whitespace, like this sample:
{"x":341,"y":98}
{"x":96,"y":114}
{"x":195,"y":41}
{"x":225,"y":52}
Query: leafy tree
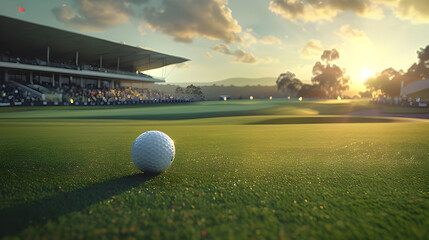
{"x":179,"y":92}
{"x":331,"y":79}
{"x":287,"y":82}
{"x":194,"y":92}
{"x":422,"y":67}
{"x":366,"y":93}
{"x":420,"y":70}
{"x":311,"y":91}
{"x":387,"y":82}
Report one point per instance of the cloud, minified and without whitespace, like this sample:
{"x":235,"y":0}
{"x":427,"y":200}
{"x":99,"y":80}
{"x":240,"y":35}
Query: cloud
{"x":270,"y":40}
{"x":141,"y":30}
{"x":318,"y":10}
{"x":244,"y":57}
{"x":240,"y":55}
{"x":94,"y":15}
{"x":417,"y":11}
{"x":184,"y":20}
{"x":208,"y":55}
{"x":354,"y":35}
{"x":189,"y":19}
{"x":312,"y":48}
{"x":268,"y":60}
{"x":222,"y":48}
{"x":249,"y":37}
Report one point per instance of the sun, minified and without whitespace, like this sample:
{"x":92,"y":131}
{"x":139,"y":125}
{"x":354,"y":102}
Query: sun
{"x":365,"y":74}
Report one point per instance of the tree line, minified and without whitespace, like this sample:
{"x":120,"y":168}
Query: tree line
{"x":191,"y":92}
{"x":330,"y":81}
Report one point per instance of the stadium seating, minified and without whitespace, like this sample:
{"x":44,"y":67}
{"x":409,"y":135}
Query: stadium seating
{"x":16,"y":94}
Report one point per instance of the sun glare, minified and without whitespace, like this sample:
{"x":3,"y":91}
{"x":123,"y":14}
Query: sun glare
{"x":365,"y":74}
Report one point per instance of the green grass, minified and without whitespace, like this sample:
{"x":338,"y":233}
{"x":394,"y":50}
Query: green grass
{"x":405,"y":110}
{"x":242,"y":170}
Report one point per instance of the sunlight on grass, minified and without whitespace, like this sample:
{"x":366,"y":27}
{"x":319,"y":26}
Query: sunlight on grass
{"x":261,"y":174}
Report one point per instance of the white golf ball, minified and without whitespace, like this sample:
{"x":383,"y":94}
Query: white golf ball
{"x":153,"y":151}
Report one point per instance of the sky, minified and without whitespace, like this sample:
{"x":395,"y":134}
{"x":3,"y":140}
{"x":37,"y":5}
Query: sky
{"x":248,"y":38}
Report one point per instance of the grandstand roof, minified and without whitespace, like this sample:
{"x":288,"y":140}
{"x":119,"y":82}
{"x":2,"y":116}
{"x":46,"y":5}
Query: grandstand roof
{"x":27,"y":39}
{"x":417,"y":88}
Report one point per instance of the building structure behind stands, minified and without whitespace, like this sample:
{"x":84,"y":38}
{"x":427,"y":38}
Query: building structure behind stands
{"x":418,"y":90}
{"x":46,"y":63}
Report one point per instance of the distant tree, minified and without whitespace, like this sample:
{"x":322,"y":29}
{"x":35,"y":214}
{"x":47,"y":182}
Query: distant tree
{"x":366,"y":93}
{"x":330,"y":79}
{"x":311,"y":91}
{"x":419,"y":70}
{"x":194,"y":92}
{"x":330,"y":55}
{"x":288,"y":83}
{"x":422,"y":68}
{"x":179,"y":92}
{"x":387,"y":82}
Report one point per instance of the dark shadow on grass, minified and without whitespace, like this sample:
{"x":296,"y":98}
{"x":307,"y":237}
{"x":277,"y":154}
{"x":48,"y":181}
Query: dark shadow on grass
{"x":15,"y":219}
{"x":318,"y":120}
{"x":166,"y":116}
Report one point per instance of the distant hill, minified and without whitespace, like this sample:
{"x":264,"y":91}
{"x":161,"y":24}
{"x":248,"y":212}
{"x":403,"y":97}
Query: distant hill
{"x":238,"y":82}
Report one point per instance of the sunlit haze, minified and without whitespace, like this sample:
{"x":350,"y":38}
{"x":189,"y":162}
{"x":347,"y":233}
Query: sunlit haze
{"x":251,"y":39}
{"x":365,"y":74}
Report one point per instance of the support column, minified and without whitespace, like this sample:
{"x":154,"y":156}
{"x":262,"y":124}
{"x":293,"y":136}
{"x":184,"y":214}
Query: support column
{"x":81,"y":82}
{"x":112,"y":84}
{"x":53,"y":80}
{"x":59,"y":80}
{"x":31,"y":77}
{"x":117,"y":65}
{"x":98,"y":83}
{"x":47,"y":55}
{"x":101,"y":61}
{"x":77,"y":58}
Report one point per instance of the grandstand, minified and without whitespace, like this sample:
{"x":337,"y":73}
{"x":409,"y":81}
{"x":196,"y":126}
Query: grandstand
{"x":45,"y":64}
{"x":417,"y":89}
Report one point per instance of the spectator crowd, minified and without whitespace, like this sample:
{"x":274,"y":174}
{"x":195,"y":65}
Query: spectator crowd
{"x":74,"y":96}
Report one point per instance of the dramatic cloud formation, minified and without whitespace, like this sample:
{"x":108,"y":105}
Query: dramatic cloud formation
{"x":354,"y":35}
{"x":240,"y":55}
{"x":184,"y":20}
{"x":417,"y":11}
{"x":188,"y":19}
{"x":315,"y":10}
{"x":94,"y":15}
{"x":312,"y":48}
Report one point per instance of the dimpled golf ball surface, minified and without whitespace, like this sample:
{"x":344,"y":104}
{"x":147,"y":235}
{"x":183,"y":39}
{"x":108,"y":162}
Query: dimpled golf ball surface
{"x":153,"y":151}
